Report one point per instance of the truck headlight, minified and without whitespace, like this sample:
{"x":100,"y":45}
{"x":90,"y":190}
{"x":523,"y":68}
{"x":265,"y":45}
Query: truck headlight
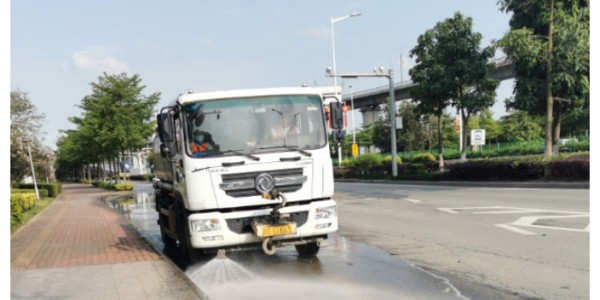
{"x":205,"y":225}
{"x":326,"y":212}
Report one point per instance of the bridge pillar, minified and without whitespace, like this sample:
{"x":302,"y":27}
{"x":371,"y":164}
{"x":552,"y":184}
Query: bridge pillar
{"x":370,"y":114}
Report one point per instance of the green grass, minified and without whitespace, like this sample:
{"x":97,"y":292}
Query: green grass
{"x":40,"y":205}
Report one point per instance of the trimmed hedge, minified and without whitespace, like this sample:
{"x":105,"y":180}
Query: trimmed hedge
{"x":16,"y":212}
{"x":112,"y":186}
{"x":575,"y":167}
{"x":144,"y":177}
{"x":54,"y":189}
{"x":25,"y":200}
{"x":495,"y":170}
{"x":43,"y":193}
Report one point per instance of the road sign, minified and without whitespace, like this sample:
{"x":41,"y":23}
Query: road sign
{"x":355,"y":150}
{"x":477,"y":137}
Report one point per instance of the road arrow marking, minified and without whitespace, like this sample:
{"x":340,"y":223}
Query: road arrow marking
{"x":514,"y":229}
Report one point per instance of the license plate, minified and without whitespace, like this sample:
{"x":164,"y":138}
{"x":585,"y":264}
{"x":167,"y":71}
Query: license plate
{"x":267,"y":230}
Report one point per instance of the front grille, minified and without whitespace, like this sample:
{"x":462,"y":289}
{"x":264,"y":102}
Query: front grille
{"x":286,"y":181}
{"x":244,"y":225}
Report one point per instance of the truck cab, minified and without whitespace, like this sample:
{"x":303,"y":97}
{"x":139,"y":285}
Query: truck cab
{"x":245,"y":168}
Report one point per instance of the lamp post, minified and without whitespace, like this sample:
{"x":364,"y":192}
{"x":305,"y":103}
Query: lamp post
{"x":353,"y":121}
{"x":27,"y":142}
{"x":379,"y":72}
{"x":333,"y":21}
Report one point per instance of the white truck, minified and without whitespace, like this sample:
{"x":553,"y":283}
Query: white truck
{"x":250,"y":187}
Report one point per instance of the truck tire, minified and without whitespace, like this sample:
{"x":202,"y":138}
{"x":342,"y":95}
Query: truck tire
{"x":309,"y":249}
{"x":167,"y":240}
{"x":183,"y":231}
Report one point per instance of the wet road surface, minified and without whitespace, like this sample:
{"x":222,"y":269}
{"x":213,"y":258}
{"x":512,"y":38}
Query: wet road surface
{"x":342,"y":269}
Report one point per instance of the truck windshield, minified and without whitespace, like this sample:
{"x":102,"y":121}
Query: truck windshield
{"x":254,"y":125}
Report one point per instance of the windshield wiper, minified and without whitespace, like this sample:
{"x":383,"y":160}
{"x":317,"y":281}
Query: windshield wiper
{"x":292,"y":148}
{"x":252,"y":157}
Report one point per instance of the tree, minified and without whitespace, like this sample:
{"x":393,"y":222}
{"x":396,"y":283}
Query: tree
{"x":519,"y":127}
{"x":549,"y":47}
{"x":116,"y":118}
{"x":412,"y":136}
{"x":450,"y":65}
{"x":486,"y":121}
{"x":381,"y":135}
{"x":25,"y":122}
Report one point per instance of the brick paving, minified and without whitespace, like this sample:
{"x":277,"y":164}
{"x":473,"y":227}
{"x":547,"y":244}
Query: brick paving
{"x":78,"y":238}
{"x":76,"y":230}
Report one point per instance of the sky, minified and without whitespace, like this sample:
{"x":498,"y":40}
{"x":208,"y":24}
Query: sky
{"x":59,"y":47}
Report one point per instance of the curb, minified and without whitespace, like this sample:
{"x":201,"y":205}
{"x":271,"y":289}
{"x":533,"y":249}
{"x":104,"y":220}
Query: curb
{"x":201,"y":295}
{"x":498,"y":184}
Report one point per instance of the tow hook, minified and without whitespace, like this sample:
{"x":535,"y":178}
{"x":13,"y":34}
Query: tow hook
{"x":268,"y":247}
{"x":267,"y":244}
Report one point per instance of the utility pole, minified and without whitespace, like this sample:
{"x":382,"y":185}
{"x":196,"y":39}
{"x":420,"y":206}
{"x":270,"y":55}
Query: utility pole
{"x":379,"y":72}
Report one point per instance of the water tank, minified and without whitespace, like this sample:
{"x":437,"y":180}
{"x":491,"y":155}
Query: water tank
{"x":163,"y":168}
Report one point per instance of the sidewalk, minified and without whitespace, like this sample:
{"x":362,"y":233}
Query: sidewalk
{"x":79,"y":248}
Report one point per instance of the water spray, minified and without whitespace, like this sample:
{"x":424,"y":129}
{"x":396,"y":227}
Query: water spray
{"x":221,"y":254}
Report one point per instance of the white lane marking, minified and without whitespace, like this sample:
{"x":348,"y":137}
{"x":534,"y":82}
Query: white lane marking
{"x":514,"y":229}
{"x":507,"y":210}
{"x":413,"y":200}
{"x":449,"y":210}
{"x":530,"y":222}
{"x":526,"y":221}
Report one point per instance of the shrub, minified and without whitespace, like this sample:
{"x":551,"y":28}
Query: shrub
{"x":113,"y":187}
{"x":569,"y":169}
{"x":16,"y":212}
{"x":343,"y":173}
{"x":25,"y":200}
{"x":366,"y":161}
{"x":496,"y":170}
{"x":348,"y":163}
{"x":423,"y":158}
{"x":54,"y":189}
{"x":123,"y":187}
{"x":388,"y":159}
{"x":43,"y":193}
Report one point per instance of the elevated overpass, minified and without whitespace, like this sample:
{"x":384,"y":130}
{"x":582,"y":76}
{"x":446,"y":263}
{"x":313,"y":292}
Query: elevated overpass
{"x":368,"y":101}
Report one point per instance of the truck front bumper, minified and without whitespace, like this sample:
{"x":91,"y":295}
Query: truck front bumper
{"x":211,"y":230}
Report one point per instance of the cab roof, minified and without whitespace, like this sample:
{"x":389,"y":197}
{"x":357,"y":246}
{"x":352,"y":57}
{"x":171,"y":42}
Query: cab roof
{"x":246,"y":93}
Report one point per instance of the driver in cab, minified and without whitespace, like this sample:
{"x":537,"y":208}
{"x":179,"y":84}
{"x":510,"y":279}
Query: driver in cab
{"x":203,"y":144}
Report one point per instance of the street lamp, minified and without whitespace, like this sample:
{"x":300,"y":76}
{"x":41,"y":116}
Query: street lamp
{"x":379,"y":72}
{"x":27,"y":142}
{"x":353,"y":121}
{"x":334,"y":20}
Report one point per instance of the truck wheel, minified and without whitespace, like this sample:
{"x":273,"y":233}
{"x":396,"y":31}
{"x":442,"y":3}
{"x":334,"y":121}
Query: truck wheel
{"x":189,"y":253}
{"x":167,"y":240}
{"x":308,"y":249}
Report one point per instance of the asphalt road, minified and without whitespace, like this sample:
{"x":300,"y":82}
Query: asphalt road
{"x":342,"y":270}
{"x":413,"y":242}
{"x":531,"y":243}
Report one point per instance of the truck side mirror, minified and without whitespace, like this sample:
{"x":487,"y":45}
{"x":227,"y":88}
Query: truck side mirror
{"x":166,"y":131}
{"x":337,"y":116}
